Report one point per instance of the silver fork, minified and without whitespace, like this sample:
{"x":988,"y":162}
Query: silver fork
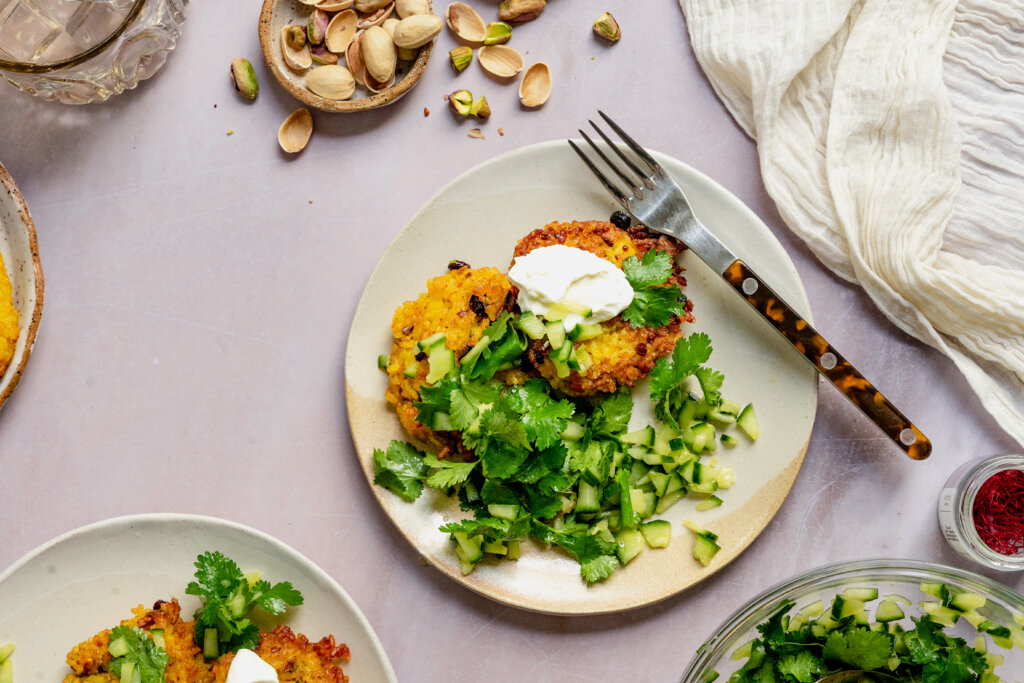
{"x":657,"y":201}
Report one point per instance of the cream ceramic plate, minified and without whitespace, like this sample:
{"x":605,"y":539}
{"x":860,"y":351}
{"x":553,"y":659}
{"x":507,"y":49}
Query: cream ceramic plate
{"x":89,"y":579}
{"x":21,"y":258}
{"x":478,"y":218}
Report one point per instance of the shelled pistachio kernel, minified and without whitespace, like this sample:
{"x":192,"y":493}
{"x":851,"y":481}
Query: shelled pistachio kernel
{"x":498,"y":32}
{"x":607,"y":27}
{"x":244,"y":78}
{"x":295,"y":37}
{"x":461,"y":102}
{"x":480,"y":109}
{"x":460,"y":57}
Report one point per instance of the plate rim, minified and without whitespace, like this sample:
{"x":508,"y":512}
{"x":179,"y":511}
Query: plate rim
{"x":124,"y":522}
{"x":801,"y":301}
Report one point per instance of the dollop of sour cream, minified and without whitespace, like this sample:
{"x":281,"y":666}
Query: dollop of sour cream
{"x":248,"y":667}
{"x":573,"y":278}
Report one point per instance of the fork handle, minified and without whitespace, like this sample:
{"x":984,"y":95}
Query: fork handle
{"x":827,"y":360}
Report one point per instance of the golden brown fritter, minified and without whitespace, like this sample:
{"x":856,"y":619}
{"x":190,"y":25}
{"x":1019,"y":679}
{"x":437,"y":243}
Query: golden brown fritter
{"x":295,"y":658}
{"x":461,"y":303}
{"x":621,"y":354}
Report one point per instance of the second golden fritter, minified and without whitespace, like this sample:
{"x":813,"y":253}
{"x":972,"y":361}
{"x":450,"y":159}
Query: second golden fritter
{"x":296,"y":659}
{"x":621,"y":355}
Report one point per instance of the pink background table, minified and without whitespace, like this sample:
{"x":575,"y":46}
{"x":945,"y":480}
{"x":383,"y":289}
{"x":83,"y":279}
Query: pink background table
{"x":200,"y":286}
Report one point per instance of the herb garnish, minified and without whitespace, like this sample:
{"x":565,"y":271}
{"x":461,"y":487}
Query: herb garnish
{"x":142,"y":653}
{"x":653,"y":303}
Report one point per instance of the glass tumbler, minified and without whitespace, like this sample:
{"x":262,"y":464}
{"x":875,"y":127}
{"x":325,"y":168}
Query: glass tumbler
{"x":79,"y":51}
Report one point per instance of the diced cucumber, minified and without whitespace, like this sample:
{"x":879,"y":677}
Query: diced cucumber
{"x":747,"y":422}
{"x":588,"y":499}
{"x":157,"y":634}
{"x":573,"y":431}
{"x":561,"y":354}
{"x":657,"y":533}
{"x":898,"y":599}
{"x":813,"y":610}
{"x":584,"y":331}
{"x":561,"y":369}
{"x":628,"y":544}
{"x":382,"y":362}
{"x":650,"y":503}
{"x":967,"y":601}
{"x":711,"y":502}
{"x":504,"y":511}
{"x":531,"y":325}
{"x":888,"y":611}
{"x":668,"y":500}
{"x":937,"y":590}
{"x":471,"y":548}
{"x":728,"y":441}
{"x":129,"y":672}
{"x":118,"y":647}
{"x":629,"y":517}
{"x":701,"y":437}
{"x":643,"y":437}
{"x":705,"y":548}
{"x":660,"y":481}
{"x":862,"y":594}
{"x":411,"y":369}
{"x":994,"y":629}
{"x":941,"y":614}
{"x":662,"y":439}
{"x":638,"y":471}
{"x":494,"y":548}
{"x":513,"y":550}
{"x":432,"y":340}
{"x":556,"y":333}
{"x":441,"y":360}
{"x":465,"y":564}
{"x":211,"y":648}
{"x":743,"y":651}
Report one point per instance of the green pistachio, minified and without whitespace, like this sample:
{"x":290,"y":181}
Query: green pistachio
{"x":461,"y":102}
{"x":244,"y":78}
{"x":460,"y":57}
{"x":498,"y":32}
{"x":295,"y":36}
{"x":607,"y":28}
{"x":480,"y":108}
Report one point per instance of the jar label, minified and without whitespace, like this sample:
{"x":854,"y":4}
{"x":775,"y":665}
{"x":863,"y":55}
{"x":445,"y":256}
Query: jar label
{"x":947,"y":521}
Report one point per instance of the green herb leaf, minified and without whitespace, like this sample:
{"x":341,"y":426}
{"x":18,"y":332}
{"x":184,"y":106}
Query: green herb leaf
{"x":598,"y":568}
{"x":860,"y":648}
{"x":654,"y":303}
{"x":711,"y":384}
{"x":544,"y":418}
{"x":142,"y":652}
{"x":447,"y":474}
{"x":611,"y":416}
{"x":803,"y":666}
{"x":653,"y":270}
{"x":400,"y":469}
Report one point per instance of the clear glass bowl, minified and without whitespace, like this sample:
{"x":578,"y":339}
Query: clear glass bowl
{"x":888,"y":576}
{"x":80,"y":51}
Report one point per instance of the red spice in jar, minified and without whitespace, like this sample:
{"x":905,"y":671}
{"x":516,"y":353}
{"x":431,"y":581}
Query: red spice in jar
{"x":999,"y":512}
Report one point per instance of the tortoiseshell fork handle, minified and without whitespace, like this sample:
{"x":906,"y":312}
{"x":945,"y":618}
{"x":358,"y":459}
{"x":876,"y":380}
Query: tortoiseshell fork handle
{"x":827,"y":360}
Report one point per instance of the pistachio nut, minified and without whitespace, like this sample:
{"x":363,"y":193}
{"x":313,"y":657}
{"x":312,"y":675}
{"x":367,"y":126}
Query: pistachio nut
{"x":480,"y":108}
{"x":535,"y":87}
{"x":321,"y":55}
{"x":466,"y":23}
{"x":244,"y":78}
{"x":332,"y":82}
{"x":369,"y":6}
{"x":296,"y":59}
{"x":460,"y":57}
{"x":461,"y":101}
{"x":316,"y":26}
{"x":497,"y":32}
{"x":417,"y":30}
{"x":376,"y":18}
{"x":340,"y":31}
{"x":334,"y":5}
{"x":407,"y":8}
{"x":607,"y":27}
{"x":500,"y":61}
{"x":296,"y":37}
{"x":294,"y":133}
{"x":379,"y":55}
{"x":354,"y":60}
{"x":520,"y":10}
{"x":389,"y":25}
{"x":407,"y":54}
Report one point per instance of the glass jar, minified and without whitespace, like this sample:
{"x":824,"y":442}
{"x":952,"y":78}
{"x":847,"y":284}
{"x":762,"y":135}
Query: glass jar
{"x":79,"y":51}
{"x":956,"y":511}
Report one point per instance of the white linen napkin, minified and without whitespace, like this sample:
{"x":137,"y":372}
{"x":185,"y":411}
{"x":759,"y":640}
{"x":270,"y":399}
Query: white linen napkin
{"x":891,"y":137}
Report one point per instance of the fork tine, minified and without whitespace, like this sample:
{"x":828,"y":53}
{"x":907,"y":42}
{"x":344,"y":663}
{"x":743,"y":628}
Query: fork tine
{"x":629,"y":162}
{"x":631,"y":184}
{"x":640,"y":151}
{"x":612,"y":189}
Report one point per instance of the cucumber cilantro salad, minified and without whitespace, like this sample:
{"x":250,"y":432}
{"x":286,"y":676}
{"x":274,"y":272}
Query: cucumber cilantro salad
{"x":560,"y":469}
{"x":820,"y":640}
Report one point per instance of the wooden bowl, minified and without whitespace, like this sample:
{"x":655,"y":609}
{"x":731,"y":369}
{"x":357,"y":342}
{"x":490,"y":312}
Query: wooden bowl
{"x":276,"y":14}
{"x":21,"y":256}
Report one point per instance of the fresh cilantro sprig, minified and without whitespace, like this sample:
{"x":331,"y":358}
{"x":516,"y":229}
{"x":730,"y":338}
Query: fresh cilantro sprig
{"x":654,"y":303}
{"x":227,"y":598}
{"x":148,"y":659}
{"x":668,"y":388}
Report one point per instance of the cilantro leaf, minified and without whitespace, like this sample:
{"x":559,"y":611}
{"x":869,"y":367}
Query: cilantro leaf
{"x":433,"y":400}
{"x":400,"y":470}
{"x":543,"y":417}
{"x":148,"y":659}
{"x":711,"y":384}
{"x":598,"y":568}
{"x":540,"y":464}
{"x":503,"y":343}
{"x":859,"y":648}
{"x":803,"y":666}
{"x":227,"y":597}
{"x":667,"y":389}
{"x":447,"y":474}
{"x":654,"y":303}
{"x":611,"y":416}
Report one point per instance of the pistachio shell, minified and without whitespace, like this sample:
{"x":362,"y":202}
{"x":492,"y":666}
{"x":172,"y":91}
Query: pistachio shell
{"x":378,"y":53}
{"x":355,"y":60}
{"x":332,"y":82}
{"x":407,"y":8}
{"x":376,"y":18}
{"x":377,"y":86}
{"x":417,"y":30}
{"x":316,"y":26}
{"x":321,"y":55}
{"x":535,"y":86}
{"x":297,"y":60}
{"x":309,"y":2}
{"x":500,"y":60}
{"x":334,"y":5}
{"x":465,"y":22}
{"x":340,"y":31}
{"x":369,"y":6}
{"x":294,"y":133}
